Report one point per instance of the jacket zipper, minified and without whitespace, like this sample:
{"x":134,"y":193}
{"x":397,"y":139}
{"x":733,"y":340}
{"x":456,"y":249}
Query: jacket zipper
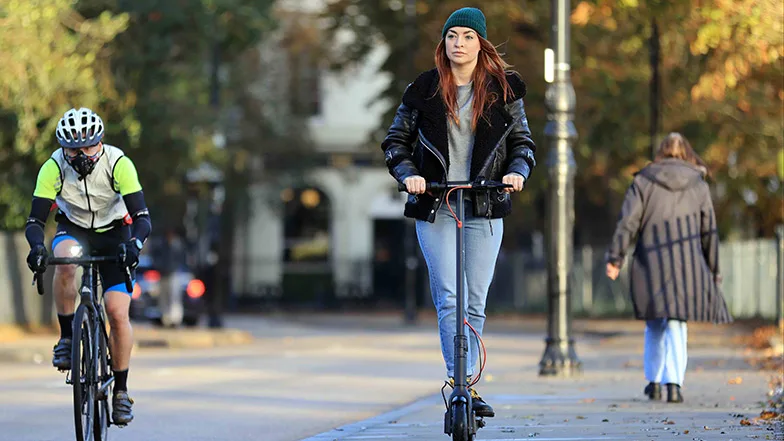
{"x":440,"y":158}
{"x":433,"y":150}
{"x":491,"y":157}
{"x":89,"y":206}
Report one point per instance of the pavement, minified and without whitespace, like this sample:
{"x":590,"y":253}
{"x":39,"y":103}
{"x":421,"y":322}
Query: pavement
{"x":376,"y":379}
{"x":725,"y":395}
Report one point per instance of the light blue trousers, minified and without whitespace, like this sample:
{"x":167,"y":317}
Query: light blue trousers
{"x":665,"y":351}
{"x":438,"y":243}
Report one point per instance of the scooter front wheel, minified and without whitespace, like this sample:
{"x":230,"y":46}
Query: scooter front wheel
{"x":461,"y":428}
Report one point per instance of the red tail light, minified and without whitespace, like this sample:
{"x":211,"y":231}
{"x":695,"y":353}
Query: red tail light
{"x":152,"y":276}
{"x":137,"y":291}
{"x":195,"y":289}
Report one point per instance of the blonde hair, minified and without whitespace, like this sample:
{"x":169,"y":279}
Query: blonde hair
{"x":675,"y":145}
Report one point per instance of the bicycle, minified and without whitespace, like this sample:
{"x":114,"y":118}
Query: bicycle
{"x":460,"y":420}
{"x":91,"y":374}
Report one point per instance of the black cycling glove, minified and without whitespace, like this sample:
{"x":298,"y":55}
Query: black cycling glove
{"x":36,"y":260}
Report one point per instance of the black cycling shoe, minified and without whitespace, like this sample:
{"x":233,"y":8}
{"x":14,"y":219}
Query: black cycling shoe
{"x":121,"y":408}
{"x":479,"y":406}
{"x":62,"y":354}
{"x":653,"y":391}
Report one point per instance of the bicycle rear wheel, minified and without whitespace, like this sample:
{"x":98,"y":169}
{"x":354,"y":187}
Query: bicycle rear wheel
{"x":82,"y":373}
{"x":101,"y":426}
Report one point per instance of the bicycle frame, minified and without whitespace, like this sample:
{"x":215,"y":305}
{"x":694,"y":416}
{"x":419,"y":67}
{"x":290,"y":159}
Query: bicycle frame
{"x":89,"y":297}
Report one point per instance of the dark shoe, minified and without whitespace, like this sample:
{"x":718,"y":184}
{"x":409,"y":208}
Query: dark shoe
{"x":480,"y":407}
{"x":62,"y":355}
{"x":674,"y":393}
{"x":653,"y":391}
{"x":121,"y":408}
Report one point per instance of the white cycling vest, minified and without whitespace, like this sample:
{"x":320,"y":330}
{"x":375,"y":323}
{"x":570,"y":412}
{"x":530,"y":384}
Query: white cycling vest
{"x":93,"y":202}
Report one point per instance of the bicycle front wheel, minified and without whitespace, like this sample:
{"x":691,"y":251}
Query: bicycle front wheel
{"x":82,"y":374}
{"x":103,"y":385}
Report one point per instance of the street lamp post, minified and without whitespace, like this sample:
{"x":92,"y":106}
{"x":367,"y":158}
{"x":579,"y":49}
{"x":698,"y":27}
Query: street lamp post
{"x":559,"y":356}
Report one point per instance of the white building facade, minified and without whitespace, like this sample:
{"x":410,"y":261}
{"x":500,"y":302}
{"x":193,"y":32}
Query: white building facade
{"x":356,"y":195}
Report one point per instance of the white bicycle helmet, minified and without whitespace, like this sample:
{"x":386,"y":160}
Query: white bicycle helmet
{"x":79,"y":128}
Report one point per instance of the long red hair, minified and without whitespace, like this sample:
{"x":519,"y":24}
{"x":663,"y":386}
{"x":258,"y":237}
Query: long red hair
{"x":489,"y":66}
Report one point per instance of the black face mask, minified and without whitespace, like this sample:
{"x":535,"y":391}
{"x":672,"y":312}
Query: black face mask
{"x":82,"y":164}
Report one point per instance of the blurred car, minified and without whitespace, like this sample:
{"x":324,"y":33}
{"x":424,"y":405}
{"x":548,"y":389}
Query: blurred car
{"x":166,"y":301}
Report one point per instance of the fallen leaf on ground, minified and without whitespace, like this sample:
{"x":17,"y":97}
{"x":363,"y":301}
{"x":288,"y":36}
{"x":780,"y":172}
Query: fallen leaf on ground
{"x":768,"y":415}
{"x":580,"y":417}
{"x":686,"y":432}
{"x":588,"y":400}
{"x":745,"y":422}
{"x":736,"y":380}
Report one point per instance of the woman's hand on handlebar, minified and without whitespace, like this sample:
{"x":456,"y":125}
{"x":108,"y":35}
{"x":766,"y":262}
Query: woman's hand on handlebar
{"x":516,"y":180}
{"x":415,"y":184}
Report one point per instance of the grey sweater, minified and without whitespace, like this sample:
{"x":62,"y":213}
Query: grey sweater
{"x":461,"y":138}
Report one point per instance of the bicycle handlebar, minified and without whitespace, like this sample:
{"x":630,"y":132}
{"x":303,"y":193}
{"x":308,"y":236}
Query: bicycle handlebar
{"x":88,"y":260}
{"x":469,"y":186}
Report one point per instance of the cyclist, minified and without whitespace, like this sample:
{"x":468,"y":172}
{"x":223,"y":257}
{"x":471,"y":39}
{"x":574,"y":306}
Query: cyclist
{"x":100,"y":207}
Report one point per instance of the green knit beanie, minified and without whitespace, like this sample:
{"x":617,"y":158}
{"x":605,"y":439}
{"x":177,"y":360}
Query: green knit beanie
{"x":467,"y":17}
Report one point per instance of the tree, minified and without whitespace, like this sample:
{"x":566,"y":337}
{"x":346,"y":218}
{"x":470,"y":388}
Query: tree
{"x":164,"y":61}
{"x":722,"y":89}
{"x":53,"y":58}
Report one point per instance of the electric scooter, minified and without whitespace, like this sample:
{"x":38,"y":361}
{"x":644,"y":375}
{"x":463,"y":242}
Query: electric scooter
{"x":460,"y":421}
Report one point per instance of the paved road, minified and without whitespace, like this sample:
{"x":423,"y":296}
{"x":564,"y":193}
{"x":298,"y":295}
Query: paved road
{"x":303,"y":378}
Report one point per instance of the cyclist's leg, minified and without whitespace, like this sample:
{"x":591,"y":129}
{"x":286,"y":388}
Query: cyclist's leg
{"x":116,"y":296}
{"x":118,"y":303}
{"x":64,"y":289}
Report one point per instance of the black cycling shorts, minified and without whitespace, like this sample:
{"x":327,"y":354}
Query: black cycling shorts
{"x":99,"y":244}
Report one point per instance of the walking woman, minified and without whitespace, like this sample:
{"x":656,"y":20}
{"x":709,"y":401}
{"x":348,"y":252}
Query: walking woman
{"x":675,"y":266}
{"x":462,"y":121}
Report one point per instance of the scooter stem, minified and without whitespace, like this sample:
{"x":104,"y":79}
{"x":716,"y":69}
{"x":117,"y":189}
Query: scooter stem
{"x":461,"y":340}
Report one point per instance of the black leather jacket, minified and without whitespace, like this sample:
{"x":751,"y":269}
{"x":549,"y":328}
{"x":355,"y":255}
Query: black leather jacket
{"x":417,"y":144}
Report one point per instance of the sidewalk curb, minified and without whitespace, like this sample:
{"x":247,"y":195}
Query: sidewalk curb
{"x":391,"y":416}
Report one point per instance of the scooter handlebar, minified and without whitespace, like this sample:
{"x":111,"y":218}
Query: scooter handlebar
{"x":469,"y":186}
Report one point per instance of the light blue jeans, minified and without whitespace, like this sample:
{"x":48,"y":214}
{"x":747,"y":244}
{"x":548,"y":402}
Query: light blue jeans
{"x":665,"y":351}
{"x":438,"y":243}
